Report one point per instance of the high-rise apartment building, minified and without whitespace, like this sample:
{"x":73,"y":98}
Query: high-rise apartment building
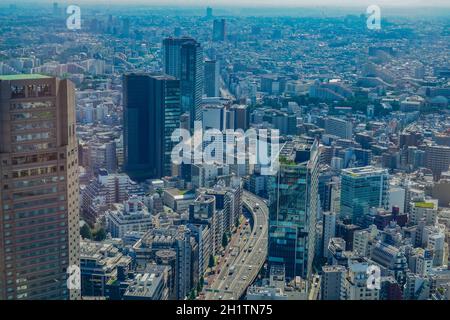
{"x":332,"y":282}
{"x":363,"y":188}
{"x":151,"y":114}
{"x":294,"y":203}
{"x":183,"y":59}
{"x":339,"y":127}
{"x":437,"y":159}
{"x":39,"y":221}
{"x":203,"y":211}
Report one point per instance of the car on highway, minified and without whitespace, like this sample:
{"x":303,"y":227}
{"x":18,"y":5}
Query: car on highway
{"x":231,"y":270}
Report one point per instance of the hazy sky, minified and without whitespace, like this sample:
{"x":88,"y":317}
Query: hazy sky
{"x":272,"y":3}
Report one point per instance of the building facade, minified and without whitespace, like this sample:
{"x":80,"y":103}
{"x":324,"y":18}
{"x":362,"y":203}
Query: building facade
{"x":293,"y":210}
{"x":151,"y":114}
{"x":183,"y":59}
{"x":39,"y":225}
{"x":363,"y":188}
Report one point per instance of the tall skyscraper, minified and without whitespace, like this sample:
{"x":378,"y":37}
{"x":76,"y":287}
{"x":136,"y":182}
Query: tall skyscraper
{"x":363,"y":188}
{"x":219,"y":30}
{"x":183,"y":59}
{"x":209,"y":12}
{"x":211,"y":79}
{"x":151,"y":114}
{"x":39,"y":221}
{"x":294,"y":203}
{"x":172,"y":55}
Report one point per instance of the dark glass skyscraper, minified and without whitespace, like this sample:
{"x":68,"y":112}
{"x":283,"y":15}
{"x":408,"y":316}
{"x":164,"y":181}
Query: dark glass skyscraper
{"x":293,"y":210}
{"x":151,"y":114}
{"x":183,"y":59}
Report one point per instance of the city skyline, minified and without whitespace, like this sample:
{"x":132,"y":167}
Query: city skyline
{"x":208,"y":152}
{"x":265,"y":3}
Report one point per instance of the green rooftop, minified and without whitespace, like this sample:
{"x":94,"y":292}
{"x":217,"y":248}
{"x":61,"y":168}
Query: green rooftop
{"x":9,"y":77}
{"x":426,"y":205}
{"x":285,"y":161}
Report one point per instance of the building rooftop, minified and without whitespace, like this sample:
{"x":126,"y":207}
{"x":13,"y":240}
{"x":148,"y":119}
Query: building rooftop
{"x":426,"y":205}
{"x":362,"y":171}
{"x":147,"y":283}
{"x":33,"y":76}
